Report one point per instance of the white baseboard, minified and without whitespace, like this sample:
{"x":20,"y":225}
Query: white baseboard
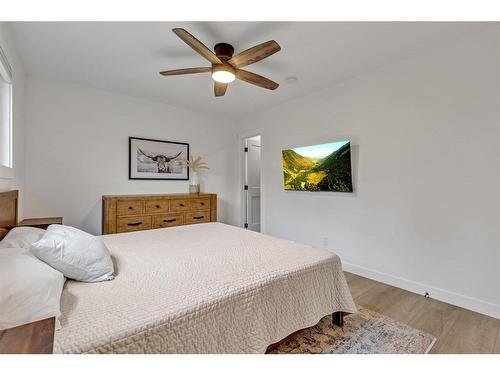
{"x":469,"y":303}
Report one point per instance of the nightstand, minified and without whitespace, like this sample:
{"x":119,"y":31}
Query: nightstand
{"x":31,"y":338}
{"x":42,"y":222}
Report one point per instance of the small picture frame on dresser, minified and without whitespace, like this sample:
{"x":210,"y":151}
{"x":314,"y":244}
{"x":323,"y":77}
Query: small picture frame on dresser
{"x":154,"y":159}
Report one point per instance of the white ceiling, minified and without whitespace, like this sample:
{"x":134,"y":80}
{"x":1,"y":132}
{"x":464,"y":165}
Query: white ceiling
{"x":126,"y":57}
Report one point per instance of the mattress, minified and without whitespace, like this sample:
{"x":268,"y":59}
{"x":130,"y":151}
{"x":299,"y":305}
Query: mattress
{"x":202,"y":288}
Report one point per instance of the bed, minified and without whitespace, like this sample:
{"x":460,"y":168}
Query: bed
{"x":202,"y":288}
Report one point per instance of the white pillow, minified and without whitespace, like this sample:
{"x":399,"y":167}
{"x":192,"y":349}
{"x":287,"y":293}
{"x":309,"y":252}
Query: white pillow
{"x":21,"y":237}
{"x":30,"y":290}
{"x":77,"y":254}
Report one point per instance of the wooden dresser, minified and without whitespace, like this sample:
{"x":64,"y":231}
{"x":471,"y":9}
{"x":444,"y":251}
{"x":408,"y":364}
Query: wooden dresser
{"x":128,"y":213}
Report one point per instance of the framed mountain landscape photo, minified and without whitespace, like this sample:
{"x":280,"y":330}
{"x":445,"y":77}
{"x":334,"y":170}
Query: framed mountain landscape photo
{"x":323,"y":167}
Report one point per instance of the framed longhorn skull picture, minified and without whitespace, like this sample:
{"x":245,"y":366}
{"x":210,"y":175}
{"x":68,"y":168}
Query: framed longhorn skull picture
{"x":152,"y":159}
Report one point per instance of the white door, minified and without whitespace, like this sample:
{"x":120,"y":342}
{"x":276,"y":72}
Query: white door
{"x":252,"y":183}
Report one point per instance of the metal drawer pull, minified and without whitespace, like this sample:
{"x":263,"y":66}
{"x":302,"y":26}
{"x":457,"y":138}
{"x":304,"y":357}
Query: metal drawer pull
{"x":134,"y":224}
{"x":181,"y":204}
{"x":198,"y":217}
{"x":158,"y":206}
{"x":202,"y":203}
{"x":169,"y":221}
{"x":130,"y":207}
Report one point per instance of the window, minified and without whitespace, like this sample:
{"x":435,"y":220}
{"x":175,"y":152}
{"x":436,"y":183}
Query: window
{"x":5,"y":117}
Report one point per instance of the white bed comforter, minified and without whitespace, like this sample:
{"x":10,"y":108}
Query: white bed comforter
{"x":204,"y":288}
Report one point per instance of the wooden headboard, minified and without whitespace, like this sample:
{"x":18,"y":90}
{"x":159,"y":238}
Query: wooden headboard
{"x":8,"y":211}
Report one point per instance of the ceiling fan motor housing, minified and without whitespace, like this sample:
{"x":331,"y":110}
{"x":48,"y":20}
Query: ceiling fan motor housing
{"x":224,"y":51}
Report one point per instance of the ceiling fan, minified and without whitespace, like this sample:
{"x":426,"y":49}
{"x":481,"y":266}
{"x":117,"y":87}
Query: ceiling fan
{"x":226,"y":67}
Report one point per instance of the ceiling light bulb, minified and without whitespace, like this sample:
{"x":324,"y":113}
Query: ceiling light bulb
{"x":223,"y":73}
{"x":223,"y":77}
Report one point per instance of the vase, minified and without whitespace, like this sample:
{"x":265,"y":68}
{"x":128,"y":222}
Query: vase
{"x":194,"y":183}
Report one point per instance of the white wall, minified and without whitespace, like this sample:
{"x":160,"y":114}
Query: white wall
{"x":77,"y":150}
{"x":425,"y":212}
{"x":17,"y":178}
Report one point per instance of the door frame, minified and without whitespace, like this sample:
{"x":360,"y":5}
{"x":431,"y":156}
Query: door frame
{"x":241,"y":145}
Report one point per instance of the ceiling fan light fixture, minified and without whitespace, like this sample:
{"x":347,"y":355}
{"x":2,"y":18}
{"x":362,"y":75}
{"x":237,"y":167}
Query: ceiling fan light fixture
{"x":224,"y":66}
{"x":223,"y":73}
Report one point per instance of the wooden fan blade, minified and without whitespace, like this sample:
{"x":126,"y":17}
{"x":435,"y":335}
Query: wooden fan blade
{"x":256,"y":79}
{"x":198,"y":46}
{"x":220,"y":88}
{"x":177,"y":72}
{"x":254,"y":54}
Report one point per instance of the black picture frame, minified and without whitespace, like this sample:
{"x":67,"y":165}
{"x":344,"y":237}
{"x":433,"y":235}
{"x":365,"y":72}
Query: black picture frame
{"x":160,"y":177}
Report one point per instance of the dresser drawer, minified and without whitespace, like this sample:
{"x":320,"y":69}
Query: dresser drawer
{"x":157,"y":206}
{"x":199,"y":204}
{"x":124,"y":208}
{"x":197,"y":217}
{"x":133,"y":223}
{"x":179,"y":205}
{"x":170,"y":220}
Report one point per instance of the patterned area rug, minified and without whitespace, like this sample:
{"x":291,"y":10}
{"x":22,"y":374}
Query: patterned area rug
{"x":366,"y":332}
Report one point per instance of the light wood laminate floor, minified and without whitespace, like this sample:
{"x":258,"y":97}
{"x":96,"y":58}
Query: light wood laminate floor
{"x":457,"y":330}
